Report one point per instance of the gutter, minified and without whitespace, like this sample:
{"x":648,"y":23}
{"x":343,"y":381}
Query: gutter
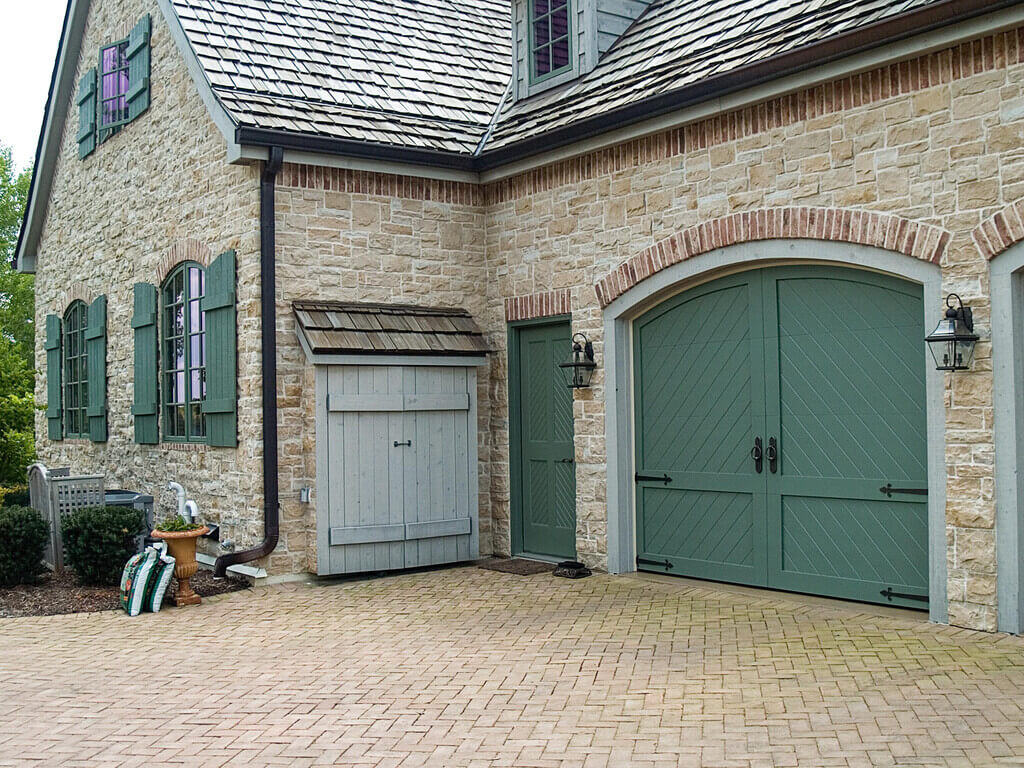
{"x":268,"y":328}
{"x":893,"y":30}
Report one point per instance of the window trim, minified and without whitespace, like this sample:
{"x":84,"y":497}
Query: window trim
{"x":534,"y":78}
{"x":79,"y":310}
{"x":190,"y":436}
{"x":104,"y":132}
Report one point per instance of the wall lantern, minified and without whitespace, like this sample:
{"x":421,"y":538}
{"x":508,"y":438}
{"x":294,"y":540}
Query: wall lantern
{"x":579,"y":369}
{"x":952,"y":341}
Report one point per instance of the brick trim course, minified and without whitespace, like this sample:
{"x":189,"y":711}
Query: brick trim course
{"x":183,"y":250}
{"x":536,"y":305}
{"x":893,"y":233}
{"x":898,"y":79}
{"x":1000,"y":231}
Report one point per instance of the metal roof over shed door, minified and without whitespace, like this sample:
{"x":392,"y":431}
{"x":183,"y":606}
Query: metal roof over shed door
{"x":781,"y":434}
{"x":396,"y":468}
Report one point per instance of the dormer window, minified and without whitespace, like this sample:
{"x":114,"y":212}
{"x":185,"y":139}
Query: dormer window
{"x":550,"y":47}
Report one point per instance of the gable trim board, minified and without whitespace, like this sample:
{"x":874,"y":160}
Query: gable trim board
{"x":619,"y":390}
{"x":942,"y":23}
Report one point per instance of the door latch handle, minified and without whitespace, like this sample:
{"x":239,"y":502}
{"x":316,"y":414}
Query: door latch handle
{"x":404,"y":442}
{"x":567,"y":461}
{"x":772,"y":454}
{"x":757,"y":455}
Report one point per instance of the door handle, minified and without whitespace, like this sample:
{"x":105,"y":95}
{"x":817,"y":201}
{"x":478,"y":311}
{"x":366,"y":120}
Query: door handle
{"x":566,"y":461}
{"x":405,"y":442}
{"x":772,"y":454}
{"x":757,"y":455}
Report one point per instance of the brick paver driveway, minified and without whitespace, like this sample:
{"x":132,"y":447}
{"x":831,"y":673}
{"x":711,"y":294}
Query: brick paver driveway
{"x":465,"y":667}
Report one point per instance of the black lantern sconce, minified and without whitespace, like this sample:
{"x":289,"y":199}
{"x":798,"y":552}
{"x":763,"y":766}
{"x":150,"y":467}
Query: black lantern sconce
{"x":579,"y":369}
{"x":952,"y":342}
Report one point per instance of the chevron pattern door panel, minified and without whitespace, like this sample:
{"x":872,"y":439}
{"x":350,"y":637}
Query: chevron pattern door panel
{"x":828,"y":364}
{"x":548,"y":492}
{"x":700,"y":402}
{"x":845,"y":372}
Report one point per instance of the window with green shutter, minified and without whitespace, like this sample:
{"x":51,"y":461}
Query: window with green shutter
{"x":116,"y":92}
{"x":75,"y":371}
{"x":183,"y":344}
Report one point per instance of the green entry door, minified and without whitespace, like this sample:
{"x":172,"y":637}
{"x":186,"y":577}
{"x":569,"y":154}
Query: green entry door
{"x":544,"y":475}
{"x":818,"y":367}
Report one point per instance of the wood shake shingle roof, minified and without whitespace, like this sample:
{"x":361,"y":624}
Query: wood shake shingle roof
{"x":335,"y":328}
{"x":434,"y":74}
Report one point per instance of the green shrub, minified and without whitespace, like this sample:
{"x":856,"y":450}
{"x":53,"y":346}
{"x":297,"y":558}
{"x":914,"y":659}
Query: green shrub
{"x":14,"y":497}
{"x":23,"y":535}
{"x":99,"y":541}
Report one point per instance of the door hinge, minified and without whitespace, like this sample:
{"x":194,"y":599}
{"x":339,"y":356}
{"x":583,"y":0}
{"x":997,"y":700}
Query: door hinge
{"x":888,"y":490}
{"x":888,"y":594}
{"x":660,"y":563}
{"x":652,"y":478}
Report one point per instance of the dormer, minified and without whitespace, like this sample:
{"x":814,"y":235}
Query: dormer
{"x":556,"y":41}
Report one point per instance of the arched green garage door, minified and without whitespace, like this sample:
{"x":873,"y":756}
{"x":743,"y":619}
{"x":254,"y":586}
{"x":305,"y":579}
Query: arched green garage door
{"x":823,"y":369}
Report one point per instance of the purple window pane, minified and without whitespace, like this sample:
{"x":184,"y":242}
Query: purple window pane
{"x":560,"y":53}
{"x":193,"y":315}
{"x":178,"y":360}
{"x":195,"y":351}
{"x":195,"y":282}
{"x":110,"y":59}
{"x":197,"y":384}
{"x":540,"y":7}
{"x":559,"y":23}
{"x":541,"y":31}
{"x":179,"y":320}
{"x":542,"y":60}
{"x":179,"y":387}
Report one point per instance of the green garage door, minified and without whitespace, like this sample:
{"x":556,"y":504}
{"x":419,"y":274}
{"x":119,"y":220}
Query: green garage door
{"x":820,"y":372}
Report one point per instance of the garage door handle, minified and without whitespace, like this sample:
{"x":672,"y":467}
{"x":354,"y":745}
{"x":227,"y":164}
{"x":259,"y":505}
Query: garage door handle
{"x":757,"y":455}
{"x":772,"y":454}
{"x":404,"y":442}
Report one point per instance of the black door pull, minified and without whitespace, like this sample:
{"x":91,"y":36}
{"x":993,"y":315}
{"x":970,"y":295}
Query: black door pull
{"x":772,"y":454}
{"x":888,"y":594}
{"x":757,"y":455}
{"x":406,"y":442}
{"x":566,"y":461}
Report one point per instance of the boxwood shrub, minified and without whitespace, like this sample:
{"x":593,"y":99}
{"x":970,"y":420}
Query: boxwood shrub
{"x":23,"y":535}
{"x":98,"y":542}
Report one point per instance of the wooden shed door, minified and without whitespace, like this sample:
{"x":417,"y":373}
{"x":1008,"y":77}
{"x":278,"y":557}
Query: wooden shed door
{"x":399,"y":491}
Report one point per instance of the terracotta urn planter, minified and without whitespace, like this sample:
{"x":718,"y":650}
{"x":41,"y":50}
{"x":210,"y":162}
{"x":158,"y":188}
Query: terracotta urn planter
{"x":181,"y":545}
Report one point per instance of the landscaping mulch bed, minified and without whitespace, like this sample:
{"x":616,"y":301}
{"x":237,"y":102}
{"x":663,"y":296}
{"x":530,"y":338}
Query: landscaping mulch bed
{"x":56,"y":593}
{"x":517,"y":566}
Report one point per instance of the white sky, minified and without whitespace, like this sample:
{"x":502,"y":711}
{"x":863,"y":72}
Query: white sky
{"x":29,"y":33}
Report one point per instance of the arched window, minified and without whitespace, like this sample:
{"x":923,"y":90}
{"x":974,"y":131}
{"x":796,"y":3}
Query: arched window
{"x":76,"y":371}
{"x":183,"y":346}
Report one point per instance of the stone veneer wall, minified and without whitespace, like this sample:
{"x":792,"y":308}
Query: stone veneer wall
{"x":157,"y":192}
{"x":354,"y":236}
{"x":936,"y":140}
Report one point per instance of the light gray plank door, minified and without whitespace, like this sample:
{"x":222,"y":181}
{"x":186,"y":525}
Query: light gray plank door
{"x":400,"y":466}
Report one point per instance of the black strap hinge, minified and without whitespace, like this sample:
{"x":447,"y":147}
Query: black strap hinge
{"x":888,"y":594}
{"x":888,"y":490}
{"x":660,"y":563}
{"x":652,"y":478}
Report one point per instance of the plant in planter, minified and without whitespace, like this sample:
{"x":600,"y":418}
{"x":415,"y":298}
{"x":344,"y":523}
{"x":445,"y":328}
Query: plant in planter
{"x":181,"y":536}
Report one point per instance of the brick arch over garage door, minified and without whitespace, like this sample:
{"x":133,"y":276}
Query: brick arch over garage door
{"x":881,"y":230}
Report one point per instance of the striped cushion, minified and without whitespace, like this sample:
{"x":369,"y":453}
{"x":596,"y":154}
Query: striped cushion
{"x":134,"y":580}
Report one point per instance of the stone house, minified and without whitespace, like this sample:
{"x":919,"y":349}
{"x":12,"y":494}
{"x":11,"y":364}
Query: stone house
{"x":320,"y":262}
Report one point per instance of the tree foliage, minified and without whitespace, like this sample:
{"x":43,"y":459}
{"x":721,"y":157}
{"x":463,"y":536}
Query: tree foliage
{"x":17,"y":343}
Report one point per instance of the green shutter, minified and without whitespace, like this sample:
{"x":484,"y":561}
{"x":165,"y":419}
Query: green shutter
{"x":53,"y":387}
{"x":221,"y":401}
{"x":87,"y":113}
{"x":138,"y":69}
{"x":96,"y":350}
{"x":144,"y":405}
